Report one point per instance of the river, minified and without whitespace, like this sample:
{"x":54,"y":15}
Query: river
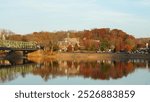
{"x":62,"y":72}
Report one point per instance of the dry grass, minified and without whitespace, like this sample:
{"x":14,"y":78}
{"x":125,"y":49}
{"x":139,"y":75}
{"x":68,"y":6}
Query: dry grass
{"x":39,"y":56}
{"x":82,"y":56}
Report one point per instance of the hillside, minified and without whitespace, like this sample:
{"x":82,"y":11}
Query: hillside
{"x":98,"y":39}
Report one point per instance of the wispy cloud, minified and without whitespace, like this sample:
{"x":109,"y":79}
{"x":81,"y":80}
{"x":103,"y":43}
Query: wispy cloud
{"x":29,"y":15}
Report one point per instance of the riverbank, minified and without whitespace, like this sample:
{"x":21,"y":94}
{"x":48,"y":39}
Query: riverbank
{"x":41,"y":55}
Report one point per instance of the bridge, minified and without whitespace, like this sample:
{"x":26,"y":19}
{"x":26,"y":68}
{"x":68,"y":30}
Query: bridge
{"x":12,"y":46}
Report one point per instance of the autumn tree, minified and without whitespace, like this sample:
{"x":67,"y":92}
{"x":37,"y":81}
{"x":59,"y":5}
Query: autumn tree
{"x":104,"y":45}
{"x":5,"y":33}
{"x":91,"y":40}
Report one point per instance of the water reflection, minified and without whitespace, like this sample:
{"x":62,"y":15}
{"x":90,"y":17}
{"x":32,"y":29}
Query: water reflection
{"x":10,"y":71}
{"x":49,"y":70}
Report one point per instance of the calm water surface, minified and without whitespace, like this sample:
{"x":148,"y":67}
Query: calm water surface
{"x":107,"y":72}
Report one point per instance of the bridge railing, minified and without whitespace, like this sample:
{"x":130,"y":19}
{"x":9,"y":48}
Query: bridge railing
{"x":18,"y":44}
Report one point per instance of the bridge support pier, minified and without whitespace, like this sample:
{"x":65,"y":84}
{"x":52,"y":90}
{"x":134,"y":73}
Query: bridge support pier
{"x":25,"y":53}
{"x":13,"y":56}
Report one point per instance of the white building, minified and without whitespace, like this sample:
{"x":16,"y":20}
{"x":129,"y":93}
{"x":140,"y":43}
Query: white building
{"x":147,"y":46}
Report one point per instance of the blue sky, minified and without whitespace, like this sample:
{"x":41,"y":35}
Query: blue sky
{"x":27,"y":16}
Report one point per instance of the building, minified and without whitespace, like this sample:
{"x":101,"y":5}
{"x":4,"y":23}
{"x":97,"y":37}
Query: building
{"x":66,"y":42}
{"x":145,"y":50}
{"x":147,"y":45}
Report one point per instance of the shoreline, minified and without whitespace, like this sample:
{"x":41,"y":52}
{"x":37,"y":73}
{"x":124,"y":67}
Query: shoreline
{"x":40,"y":55}
{"x":99,"y":56}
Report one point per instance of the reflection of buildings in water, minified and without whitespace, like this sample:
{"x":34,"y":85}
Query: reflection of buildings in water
{"x":98,"y":70}
{"x":137,"y":60}
{"x":147,"y":64}
{"x":69,"y":67}
{"x":103,"y":70}
{"x":59,"y":68}
{"x":140,"y":63}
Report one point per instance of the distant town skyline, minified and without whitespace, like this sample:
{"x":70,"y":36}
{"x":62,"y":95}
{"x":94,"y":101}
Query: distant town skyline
{"x":27,"y":16}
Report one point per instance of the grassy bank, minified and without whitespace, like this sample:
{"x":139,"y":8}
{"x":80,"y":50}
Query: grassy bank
{"x":41,"y":55}
{"x":99,"y":56}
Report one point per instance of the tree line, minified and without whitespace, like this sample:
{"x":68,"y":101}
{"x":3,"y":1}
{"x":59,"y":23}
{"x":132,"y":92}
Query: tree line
{"x":101,"y":39}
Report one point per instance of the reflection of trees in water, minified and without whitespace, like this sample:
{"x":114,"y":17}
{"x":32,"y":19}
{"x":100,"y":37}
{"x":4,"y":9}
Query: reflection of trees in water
{"x":47,"y":69}
{"x":8,"y":72}
{"x":103,"y":70}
